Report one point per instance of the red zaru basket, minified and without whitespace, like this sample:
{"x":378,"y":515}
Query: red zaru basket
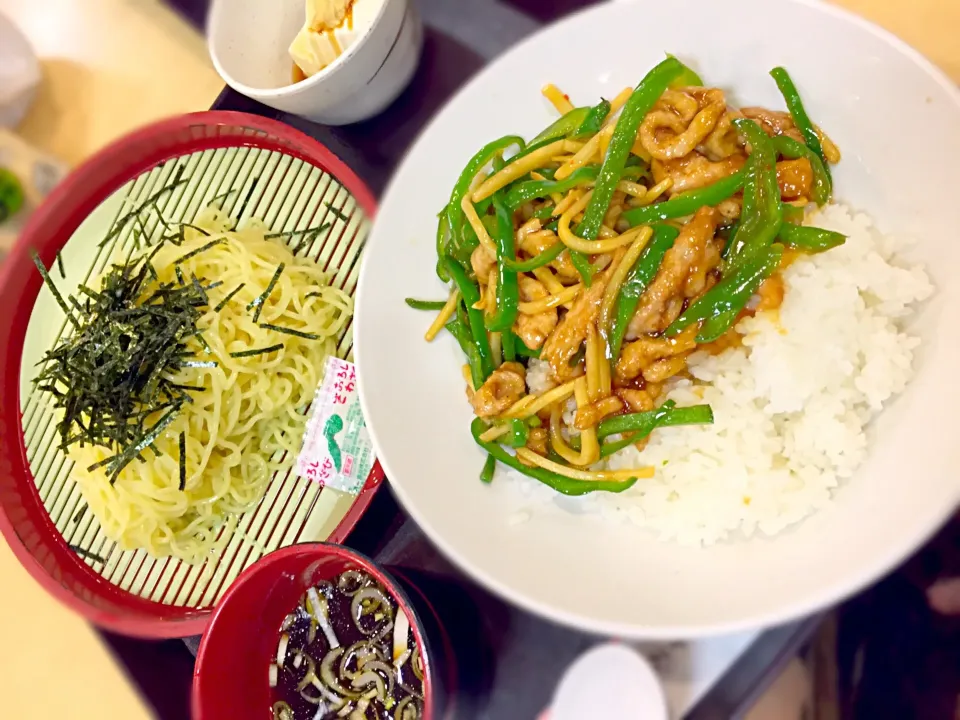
{"x":275,"y":173}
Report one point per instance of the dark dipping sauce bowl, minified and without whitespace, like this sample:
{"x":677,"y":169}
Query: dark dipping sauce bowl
{"x":231,"y":680}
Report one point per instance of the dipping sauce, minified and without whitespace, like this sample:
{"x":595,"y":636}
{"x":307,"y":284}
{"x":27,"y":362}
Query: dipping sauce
{"x":347,"y":651}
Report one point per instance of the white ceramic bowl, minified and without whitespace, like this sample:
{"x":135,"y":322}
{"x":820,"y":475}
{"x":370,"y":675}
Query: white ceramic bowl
{"x":897,"y":119}
{"x":248,"y":41}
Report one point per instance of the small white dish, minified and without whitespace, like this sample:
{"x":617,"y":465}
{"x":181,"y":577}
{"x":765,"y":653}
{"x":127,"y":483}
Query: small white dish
{"x":249,"y":41}
{"x":609,"y":681}
{"x":615,"y":578}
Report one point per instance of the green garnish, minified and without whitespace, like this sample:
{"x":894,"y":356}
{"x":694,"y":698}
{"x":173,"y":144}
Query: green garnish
{"x":290,"y":331}
{"x":256,"y":351}
{"x":223,"y":196}
{"x":11,"y":194}
{"x":246,"y":199}
{"x":205,"y":233}
{"x":260,"y":299}
{"x":228,"y":297}
{"x":338,"y":212}
{"x":53,"y":288}
{"x":293,"y":233}
{"x":197,"y":251}
{"x":112,"y":377}
{"x":87,"y":554}
{"x":183,"y":460}
{"x":120,"y":224}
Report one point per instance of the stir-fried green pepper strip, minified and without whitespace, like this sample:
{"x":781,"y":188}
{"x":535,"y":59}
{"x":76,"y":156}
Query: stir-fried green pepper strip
{"x":443,"y":227}
{"x":461,"y":332}
{"x":528,"y":190}
{"x":637,"y":426}
{"x":822,"y":183}
{"x":489,"y":467}
{"x":733,"y":292}
{"x":793,"y":214}
{"x":455,"y":219}
{"x":715,"y":327}
{"x":524,"y":351}
{"x":471,"y":296}
{"x":762,"y":213}
{"x":508,"y":293}
{"x":564,"y":126}
{"x":799,"y":113}
{"x":810,"y":239}
{"x":508,"y":342}
{"x":582,"y":265}
{"x":687,"y":78}
{"x":518,"y":432}
{"x":563,"y":485}
{"x":624,"y":134}
{"x":637,"y":280}
{"x":544,"y":213}
{"x":425,"y":304}
{"x":538,"y":261}
{"x":593,"y":121}
{"x":686,"y":203}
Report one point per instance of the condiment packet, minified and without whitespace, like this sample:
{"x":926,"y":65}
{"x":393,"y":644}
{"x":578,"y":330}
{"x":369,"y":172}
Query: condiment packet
{"x":336,"y":451}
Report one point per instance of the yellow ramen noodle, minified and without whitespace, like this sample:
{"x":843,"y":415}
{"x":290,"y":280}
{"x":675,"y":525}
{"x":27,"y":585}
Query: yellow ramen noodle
{"x":246,"y":418}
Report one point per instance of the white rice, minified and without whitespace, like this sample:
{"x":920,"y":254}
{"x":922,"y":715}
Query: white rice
{"x":790,"y":406}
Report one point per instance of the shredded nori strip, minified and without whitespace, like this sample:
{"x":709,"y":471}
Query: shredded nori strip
{"x":87,"y":554}
{"x":256,"y":351}
{"x":203,"y":342}
{"x":293,"y":233}
{"x":63,"y":273}
{"x":262,"y":298}
{"x":183,"y":460}
{"x":246,"y":200}
{"x":199,"y":229}
{"x":120,"y":224}
{"x":79,"y":514}
{"x":133,"y":451}
{"x":290,"y":331}
{"x":228,"y":297}
{"x":338,"y":212}
{"x":202,"y":248}
{"x":223,"y":196}
{"x":313,"y":294}
{"x":114,"y":375}
{"x":53,"y":288}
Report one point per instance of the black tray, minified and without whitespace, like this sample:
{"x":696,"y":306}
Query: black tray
{"x":528,"y":654}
